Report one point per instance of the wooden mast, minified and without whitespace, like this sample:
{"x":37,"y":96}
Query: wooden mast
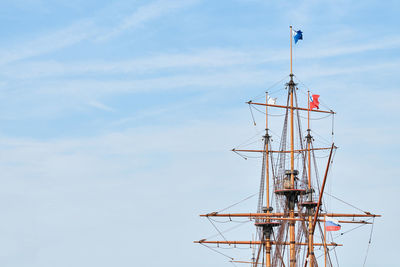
{"x":325,"y":239}
{"x":268,"y":236}
{"x":309,"y":141}
{"x":310,"y":219}
{"x":290,"y":198}
{"x":267,"y":153}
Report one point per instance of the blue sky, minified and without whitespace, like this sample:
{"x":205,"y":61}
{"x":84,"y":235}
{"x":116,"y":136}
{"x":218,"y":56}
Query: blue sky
{"x":117,"y":119}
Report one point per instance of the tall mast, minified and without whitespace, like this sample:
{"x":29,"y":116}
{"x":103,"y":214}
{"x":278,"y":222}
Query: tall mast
{"x":290,"y":199}
{"x":310,"y":202}
{"x":308,"y":140}
{"x":268,"y":229}
{"x":325,"y":239}
{"x":267,"y":153}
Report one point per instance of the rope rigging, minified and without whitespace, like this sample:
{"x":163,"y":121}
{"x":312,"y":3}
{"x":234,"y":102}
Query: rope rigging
{"x":217,"y":229}
{"x":219,"y":252}
{"x":369,"y":241}
{"x":305,"y":86}
{"x":272,"y":115}
{"x":252,"y":115}
{"x":258,"y":134}
{"x":315,"y":119}
{"x":270,"y":87}
{"x":228,"y":221}
{"x":352,"y":229}
{"x":346,"y":203}
{"x":237,"y":203}
{"x":229,"y":229}
{"x":240,"y":155}
{"x":278,"y":166}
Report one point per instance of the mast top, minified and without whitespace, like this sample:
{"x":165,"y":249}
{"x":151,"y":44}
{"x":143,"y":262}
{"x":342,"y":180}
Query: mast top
{"x":291,"y":83}
{"x":291,"y":53}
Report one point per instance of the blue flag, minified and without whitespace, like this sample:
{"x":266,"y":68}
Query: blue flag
{"x":298,"y":35}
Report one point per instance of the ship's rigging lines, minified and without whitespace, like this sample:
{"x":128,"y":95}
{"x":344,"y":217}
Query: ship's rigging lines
{"x":290,"y":171}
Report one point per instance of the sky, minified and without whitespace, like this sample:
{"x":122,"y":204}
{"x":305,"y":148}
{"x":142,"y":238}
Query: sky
{"x":117,"y":117}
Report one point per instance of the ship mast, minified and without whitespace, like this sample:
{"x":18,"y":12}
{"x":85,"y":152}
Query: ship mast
{"x":291,"y":197}
{"x":310,"y":202}
{"x":268,"y":210}
{"x":295,"y":228}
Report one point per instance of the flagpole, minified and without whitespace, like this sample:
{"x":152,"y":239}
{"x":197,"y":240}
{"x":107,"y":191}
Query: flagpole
{"x":291,"y":33}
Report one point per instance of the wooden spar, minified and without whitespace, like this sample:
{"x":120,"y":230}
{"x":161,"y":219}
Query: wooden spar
{"x":291,"y":57}
{"x":284,"y":151}
{"x":266,"y":153}
{"x":290,"y":201}
{"x":349,"y":215}
{"x":309,"y":142}
{"x":304,"y":220}
{"x":260,"y":243}
{"x":280,"y":106}
{"x":268,"y":252}
{"x":322,"y":190}
{"x":325,"y":239}
{"x":278,"y":214}
{"x":258,"y":254}
{"x":310,"y":252}
{"x":253,"y":263}
{"x":268,"y":239}
{"x":308,"y":109}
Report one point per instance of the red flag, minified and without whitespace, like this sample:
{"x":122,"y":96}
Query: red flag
{"x":314,"y":103}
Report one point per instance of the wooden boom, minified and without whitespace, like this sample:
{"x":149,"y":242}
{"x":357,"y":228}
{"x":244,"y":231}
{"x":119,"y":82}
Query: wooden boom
{"x":268,"y":215}
{"x":277,"y":151}
{"x":288,"y":107}
{"x":259,"y":243}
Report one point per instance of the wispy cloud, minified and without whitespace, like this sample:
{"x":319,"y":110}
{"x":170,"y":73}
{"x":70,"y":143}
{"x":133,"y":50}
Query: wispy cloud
{"x":201,"y":81}
{"x":99,"y":105}
{"x":206,"y":58}
{"x":144,"y":14}
{"x":317,"y":71}
{"x":68,"y":36}
{"x":192,"y":82}
{"x":89,"y":29}
{"x":387,"y":42}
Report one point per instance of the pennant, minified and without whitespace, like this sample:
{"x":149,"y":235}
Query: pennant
{"x":314,"y":102}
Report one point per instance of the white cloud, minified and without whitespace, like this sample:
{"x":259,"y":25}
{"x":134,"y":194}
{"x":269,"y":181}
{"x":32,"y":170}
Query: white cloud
{"x":100,"y":105}
{"x":206,"y":59}
{"x":89,"y":29}
{"x":50,"y":42}
{"x":144,"y":14}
